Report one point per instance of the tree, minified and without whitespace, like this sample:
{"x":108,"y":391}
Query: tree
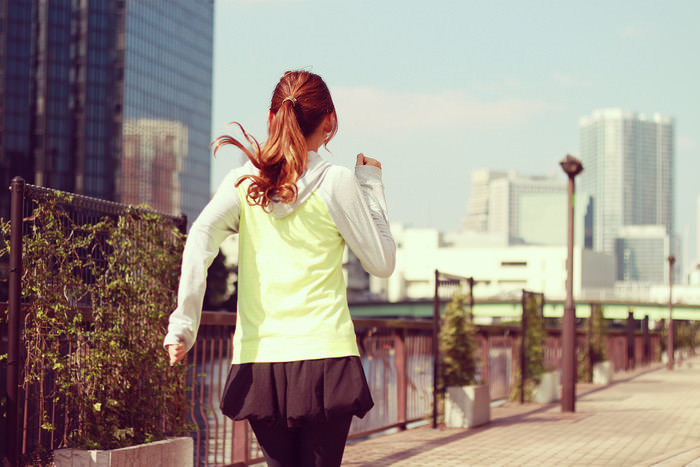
{"x":222,"y":281}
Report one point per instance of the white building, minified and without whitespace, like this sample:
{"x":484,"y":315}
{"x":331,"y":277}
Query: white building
{"x":527,"y":210}
{"x":697,"y":232}
{"x":477,"y":219}
{"x":693,"y":274}
{"x":641,"y":252}
{"x":498,"y":270}
{"x":628,"y":163}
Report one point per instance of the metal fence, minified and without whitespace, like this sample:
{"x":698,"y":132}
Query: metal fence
{"x":397,"y":356}
{"x":26,"y":403}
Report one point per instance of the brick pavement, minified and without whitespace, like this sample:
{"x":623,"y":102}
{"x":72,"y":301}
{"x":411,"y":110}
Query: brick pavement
{"x":647,"y":417}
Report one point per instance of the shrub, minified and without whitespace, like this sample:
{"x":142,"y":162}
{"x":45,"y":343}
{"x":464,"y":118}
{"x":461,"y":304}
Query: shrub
{"x":598,"y":351}
{"x":457,"y":341}
{"x":535,"y":336}
{"x":98,"y":298}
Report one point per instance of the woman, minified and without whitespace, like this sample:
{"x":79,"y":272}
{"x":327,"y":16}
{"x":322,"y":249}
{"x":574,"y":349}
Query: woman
{"x":296,"y":373}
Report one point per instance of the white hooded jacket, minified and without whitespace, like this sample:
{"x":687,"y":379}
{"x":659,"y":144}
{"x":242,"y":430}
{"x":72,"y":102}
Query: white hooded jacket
{"x":291,"y":300}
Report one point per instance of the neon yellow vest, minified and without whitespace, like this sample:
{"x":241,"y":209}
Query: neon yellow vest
{"x":292,"y":302}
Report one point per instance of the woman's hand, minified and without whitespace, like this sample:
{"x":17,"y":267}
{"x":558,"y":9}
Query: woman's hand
{"x":176,"y":352}
{"x":364,"y":160}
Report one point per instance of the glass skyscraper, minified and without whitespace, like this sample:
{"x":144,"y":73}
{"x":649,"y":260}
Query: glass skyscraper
{"x":108,"y":98}
{"x":628,"y":162}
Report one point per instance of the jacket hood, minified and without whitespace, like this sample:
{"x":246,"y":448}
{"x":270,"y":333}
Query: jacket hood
{"x":312,"y":177}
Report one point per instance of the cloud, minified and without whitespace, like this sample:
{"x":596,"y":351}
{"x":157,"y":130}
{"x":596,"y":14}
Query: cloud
{"x":266,"y":2}
{"x":635,"y":32}
{"x":566,"y":79}
{"x":686,"y":144}
{"x":506,"y":84}
{"x":373,"y":109}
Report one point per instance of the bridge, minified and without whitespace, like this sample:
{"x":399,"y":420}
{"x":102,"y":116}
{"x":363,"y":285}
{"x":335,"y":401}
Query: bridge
{"x":507,"y":309}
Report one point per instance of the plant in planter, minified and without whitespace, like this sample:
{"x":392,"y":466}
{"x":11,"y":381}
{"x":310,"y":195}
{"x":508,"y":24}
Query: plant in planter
{"x":535,"y":370}
{"x":98,"y":298}
{"x":594,"y":367}
{"x":466,"y":403}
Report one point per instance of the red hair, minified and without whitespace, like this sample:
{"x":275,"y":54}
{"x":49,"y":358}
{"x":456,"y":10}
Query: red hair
{"x":300,"y":102}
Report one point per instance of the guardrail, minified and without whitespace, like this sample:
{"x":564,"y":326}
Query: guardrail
{"x":397,"y":357}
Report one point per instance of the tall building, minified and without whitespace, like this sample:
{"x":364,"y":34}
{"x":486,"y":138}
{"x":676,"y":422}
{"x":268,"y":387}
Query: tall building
{"x":628,"y":163}
{"x":697,"y":232}
{"x":477,"y":219}
{"x":641,"y":253}
{"x":154,"y":153}
{"x":80,"y":81}
{"x":527,"y":210}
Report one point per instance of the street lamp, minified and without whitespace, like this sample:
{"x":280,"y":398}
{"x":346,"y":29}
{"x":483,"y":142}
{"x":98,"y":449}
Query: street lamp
{"x":571,"y":167}
{"x":669,"y":345}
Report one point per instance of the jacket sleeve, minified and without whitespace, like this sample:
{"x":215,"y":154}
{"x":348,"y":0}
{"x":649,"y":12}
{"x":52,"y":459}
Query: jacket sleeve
{"x":219,"y":219}
{"x":358,"y":208}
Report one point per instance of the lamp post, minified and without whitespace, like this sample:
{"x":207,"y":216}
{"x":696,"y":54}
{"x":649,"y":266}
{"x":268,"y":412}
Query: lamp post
{"x":670,"y":337}
{"x":571,"y":167}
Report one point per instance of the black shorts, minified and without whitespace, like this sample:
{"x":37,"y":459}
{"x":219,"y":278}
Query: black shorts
{"x":293,"y":393}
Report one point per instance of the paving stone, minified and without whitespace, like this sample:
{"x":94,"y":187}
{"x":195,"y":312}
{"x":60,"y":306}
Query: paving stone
{"x":645,"y":417}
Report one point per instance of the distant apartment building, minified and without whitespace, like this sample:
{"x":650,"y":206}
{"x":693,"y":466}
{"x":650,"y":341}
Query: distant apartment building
{"x":693,"y":273}
{"x":641,"y":252}
{"x":80,"y":81}
{"x":628,"y":162}
{"x":697,"y":231}
{"x":477,"y":219}
{"x":153,"y":163}
{"x":526,"y":210}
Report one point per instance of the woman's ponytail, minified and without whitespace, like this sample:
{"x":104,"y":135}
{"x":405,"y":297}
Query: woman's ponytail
{"x":299,"y":104}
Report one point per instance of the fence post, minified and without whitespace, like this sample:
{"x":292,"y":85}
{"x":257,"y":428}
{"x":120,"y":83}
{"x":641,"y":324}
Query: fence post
{"x":645,"y":339}
{"x":523,"y":330}
{"x":14,"y":320}
{"x":485,"y":365}
{"x":630,"y":361}
{"x":401,"y":386}
{"x":240,"y":443}
{"x":589,"y":346}
{"x":436,"y":357}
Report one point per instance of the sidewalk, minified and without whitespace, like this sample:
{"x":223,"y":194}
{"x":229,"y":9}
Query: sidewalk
{"x":647,"y":417}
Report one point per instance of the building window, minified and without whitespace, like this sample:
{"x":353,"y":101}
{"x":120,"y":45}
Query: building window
{"x":513,"y":264}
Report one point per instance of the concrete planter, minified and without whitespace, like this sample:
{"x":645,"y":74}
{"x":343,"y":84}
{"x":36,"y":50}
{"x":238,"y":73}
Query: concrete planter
{"x":602,"y":372}
{"x":176,"y":452}
{"x":467,"y":406}
{"x":549,"y":388}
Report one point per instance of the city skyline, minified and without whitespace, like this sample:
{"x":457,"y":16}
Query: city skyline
{"x":436,"y":91}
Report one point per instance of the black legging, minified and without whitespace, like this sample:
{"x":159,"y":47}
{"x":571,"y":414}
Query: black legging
{"x":319,"y":444}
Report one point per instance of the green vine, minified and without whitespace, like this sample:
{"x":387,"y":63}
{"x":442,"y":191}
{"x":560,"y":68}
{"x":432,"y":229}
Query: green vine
{"x":98,"y":298}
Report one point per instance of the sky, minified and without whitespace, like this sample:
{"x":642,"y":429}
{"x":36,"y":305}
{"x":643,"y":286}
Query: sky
{"x":435,"y":89}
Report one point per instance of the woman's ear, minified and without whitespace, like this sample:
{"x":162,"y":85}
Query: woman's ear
{"x":328,"y":123}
